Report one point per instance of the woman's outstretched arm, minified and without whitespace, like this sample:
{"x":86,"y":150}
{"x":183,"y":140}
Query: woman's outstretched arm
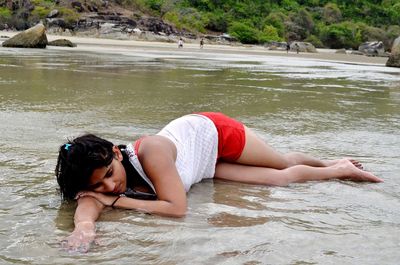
{"x":86,"y":214}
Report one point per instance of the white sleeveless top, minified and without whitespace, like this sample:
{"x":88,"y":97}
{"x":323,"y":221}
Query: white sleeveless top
{"x":196,"y":141}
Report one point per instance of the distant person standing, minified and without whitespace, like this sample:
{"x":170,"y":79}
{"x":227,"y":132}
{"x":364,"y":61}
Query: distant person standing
{"x":287,"y":47}
{"x":297,"y":48}
{"x":180,"y":43}
{"x":201,"y":43}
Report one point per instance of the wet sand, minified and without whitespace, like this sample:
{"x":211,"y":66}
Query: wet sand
{"x":110,"y":44}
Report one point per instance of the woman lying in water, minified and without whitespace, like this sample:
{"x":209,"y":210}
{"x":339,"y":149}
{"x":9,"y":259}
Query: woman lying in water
{"x":153,"y":174}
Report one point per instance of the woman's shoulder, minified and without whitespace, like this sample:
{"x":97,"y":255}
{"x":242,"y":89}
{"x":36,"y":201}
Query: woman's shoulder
{"x":156,"y":144}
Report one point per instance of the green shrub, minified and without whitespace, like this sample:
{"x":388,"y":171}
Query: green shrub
{"x":369,"y":33}
{"x":44,"y":3}
{"x":173,"y":17}
{"x":5,"y":13}
{"x":289,"y":5}
{"x":155,"y":5}
{"x":342,"y":35}
{"x":301,"y":24}
{"x":314,"y":40}
{"x":270,"y":33}
{"x":217,"y":21}
{"x":332,"y":13}
{"x":393,"y":32}
{"x":40,"y":11}
{"x":192,"y":18}
{"x":188,"y":18}
{"x":277,"y":19}
{"x":244,"y":32}
{"x":394,"y":13}
{"x":70,"y":15}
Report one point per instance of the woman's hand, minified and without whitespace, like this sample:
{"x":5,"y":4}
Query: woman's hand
{"x":106,"y":200}
{"x":81,"y":238}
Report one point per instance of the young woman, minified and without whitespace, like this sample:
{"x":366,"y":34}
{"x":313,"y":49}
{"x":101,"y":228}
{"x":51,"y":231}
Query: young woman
{"x":154,"y":173}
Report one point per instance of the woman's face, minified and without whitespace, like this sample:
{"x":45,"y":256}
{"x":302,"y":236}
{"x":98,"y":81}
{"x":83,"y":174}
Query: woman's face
{"x":109,"y":179}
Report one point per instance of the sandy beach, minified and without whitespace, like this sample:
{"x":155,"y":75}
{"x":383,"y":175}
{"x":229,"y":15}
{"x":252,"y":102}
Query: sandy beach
{"x":113,"y":44}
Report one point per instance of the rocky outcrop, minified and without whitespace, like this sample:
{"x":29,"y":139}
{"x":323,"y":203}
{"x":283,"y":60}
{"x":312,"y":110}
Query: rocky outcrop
{"x":59,"y":23}
{"x":34,"y":37}
{"x":294,"y":46}
{"x":61,"y":42}
{"x":298,"y":46}
{"x":276,"y":45}
{"x":374,"y":48}
{"x":394,"y":58}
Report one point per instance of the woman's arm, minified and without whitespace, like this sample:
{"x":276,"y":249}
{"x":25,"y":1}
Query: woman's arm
{"x":157,"y":156}
{"x":86,"y":213}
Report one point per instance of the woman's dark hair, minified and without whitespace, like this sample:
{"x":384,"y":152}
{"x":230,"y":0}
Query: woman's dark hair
{"x":77,"y":160}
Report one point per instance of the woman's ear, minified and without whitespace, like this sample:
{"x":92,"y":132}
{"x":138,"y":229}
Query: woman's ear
{"x":117,"y":153}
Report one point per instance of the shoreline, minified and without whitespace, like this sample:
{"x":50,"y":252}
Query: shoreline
{"x":322,"y":55}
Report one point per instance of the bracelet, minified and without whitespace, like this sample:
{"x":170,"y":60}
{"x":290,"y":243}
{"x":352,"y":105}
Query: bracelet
{"x":112,"y":204}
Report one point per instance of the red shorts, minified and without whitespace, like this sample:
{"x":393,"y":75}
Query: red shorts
{"x":231,"y":135}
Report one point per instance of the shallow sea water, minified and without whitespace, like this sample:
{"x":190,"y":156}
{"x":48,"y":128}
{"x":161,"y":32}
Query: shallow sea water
{"x":327,"y":109}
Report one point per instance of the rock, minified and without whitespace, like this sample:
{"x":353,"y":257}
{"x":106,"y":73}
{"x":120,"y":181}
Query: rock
{"x":53,"y":13}
{"x":34,"y":37}
{"x":302,"y":47}
{"x":107,"y":28}
{"x":374,"y":48}
{"x":341,"y":51}
{"x":357,"y":53}
{"x":56,"y":22}
{"x":156,"y":25}
{"x":77,"y":6}
{"x":276,"y":45}
{"x":92,"y":8}
{"x":61,"y":42}
{"x":394,"y":58}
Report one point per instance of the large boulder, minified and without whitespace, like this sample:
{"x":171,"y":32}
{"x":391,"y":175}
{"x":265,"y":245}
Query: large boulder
{"x":276,"y":45}
{"x":34,"y":37}
{"x":302,"y":47}
{"x":373,"y":48}
{"x":61,"y":42}
{"x":394,"y":58}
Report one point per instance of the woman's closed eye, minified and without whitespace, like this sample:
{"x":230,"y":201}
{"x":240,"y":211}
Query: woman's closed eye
{"x":100,"y":181}
{"x":109,"y":173}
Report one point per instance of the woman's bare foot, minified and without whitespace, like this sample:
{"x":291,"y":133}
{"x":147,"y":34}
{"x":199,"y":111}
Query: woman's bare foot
{"x":356,"y":163}
{"x":354,"y":173}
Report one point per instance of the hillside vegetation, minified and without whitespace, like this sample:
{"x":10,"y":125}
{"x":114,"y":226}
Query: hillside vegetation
{"x":331,"y":24}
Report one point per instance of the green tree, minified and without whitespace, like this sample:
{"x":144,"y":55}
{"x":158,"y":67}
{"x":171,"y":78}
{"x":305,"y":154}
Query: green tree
{"x":270,"y":33}
{"x":5,"y":14}
{"x":332,"y":13}
{"x":341,"y":35}
{"x":217,"y":21}
{"x":244,"y":32}
{"x":277,"y":20}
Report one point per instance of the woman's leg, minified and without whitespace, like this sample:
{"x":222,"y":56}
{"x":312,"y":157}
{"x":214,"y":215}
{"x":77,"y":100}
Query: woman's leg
{"x":258,"y":153}
{"x":343,"y":169}
{"x":261,"y":164}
